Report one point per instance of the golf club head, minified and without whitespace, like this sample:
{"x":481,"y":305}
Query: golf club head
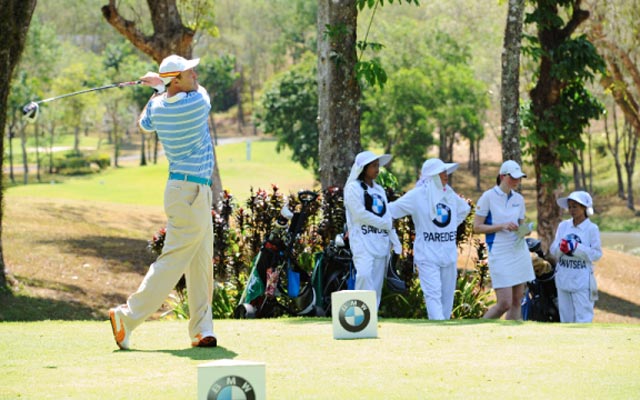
{"x":30,"y":111}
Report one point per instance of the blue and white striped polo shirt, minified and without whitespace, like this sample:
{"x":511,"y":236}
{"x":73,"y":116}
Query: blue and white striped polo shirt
{"x":181,"y":124}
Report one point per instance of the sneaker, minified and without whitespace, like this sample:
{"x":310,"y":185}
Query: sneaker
{"x":207,"y":341}
{"x":120,"y":333}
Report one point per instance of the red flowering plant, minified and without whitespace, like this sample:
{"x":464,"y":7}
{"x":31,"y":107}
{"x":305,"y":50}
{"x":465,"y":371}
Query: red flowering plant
{"x":156,"y":243}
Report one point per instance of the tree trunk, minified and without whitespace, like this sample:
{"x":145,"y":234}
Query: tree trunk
{"x":214,"y":131}
{"x":143,"y":150}
{"x":338,"y":91}
{"x":510,"y":90}
{"x":52,"y":130}
{"x":14,"y":19}
{"x":169,"y":36}
{"x":476,"y":170}
{"x":36,"y":132}
{"x":630,"y":161}
{"x":544,"y":96}
{"x":11,"y":175}
{"x":76,"y":139}
{"x":155,"y":148}
{"x":23,"y":145}
{"x":614,"y":149}
{"x":238,"y":86}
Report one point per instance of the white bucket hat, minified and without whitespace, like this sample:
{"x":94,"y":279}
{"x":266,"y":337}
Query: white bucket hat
{"x":434,"y":166}
{"x":512,"y":168}
{"x":363,"y":159}
{"x":581,"y":197}
{"x":171,"y":67}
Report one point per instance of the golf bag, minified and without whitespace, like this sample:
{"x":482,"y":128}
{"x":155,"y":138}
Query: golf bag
{"x":540,"y":302}
{"x":333,"y":271}
{"x":277,"y":285}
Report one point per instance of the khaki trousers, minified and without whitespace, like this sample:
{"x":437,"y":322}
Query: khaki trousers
{"x":188,"y":249}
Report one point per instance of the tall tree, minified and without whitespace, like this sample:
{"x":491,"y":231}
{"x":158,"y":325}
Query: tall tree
{"x":618,"y":43}
{"x":561,"y":106}
{"x":510,"y":89}
{"x":338,"y":90}
{"x":170,"y":36}
{"x":14,"y":22}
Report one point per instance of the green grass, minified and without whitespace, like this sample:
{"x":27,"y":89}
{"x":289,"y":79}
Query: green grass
{"x":408,"y":360}
{"x":145,"y":185}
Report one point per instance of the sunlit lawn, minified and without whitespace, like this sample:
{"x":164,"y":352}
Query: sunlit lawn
{"x":132,"y":184}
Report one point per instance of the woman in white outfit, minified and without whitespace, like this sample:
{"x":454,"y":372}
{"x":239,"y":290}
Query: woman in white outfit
{"x":576,"y":247}
{"x":499,"y":213}
{"x":369,"y":222}
{"x":436,"y":211}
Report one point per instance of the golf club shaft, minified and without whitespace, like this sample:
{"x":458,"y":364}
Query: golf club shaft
{"x":122,"y":84}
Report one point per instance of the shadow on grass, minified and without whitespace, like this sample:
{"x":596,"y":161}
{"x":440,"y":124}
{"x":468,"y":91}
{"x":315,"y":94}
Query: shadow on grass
{"x":28,"y":309}
{"x":195,"y":353}
{"x":616,"y":305}
{"x":127,"y":255}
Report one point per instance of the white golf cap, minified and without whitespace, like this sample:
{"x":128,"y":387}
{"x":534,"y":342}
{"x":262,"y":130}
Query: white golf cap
{"x":512,"y":168}
{"x":580,"y":197}
{"x":434,"y":166}
{"x":363,"y":159}
{"x":171,"y":67}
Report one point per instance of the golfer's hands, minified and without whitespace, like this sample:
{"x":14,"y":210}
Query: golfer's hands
{"x":510,"y":227}
{"x":153,"y":80}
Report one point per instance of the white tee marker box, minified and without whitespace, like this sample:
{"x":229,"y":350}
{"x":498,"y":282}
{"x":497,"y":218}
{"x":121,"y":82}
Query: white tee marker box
{"x":354,"y":314}
{"x":232,"y":379}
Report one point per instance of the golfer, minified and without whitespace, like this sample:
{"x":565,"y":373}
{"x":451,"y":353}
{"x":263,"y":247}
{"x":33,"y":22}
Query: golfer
{"x":576,"y":247}
{"x":500,"y":213}
{"x":369,"y":222}
{"x":436,"y":211}
{"x":179,"y":116}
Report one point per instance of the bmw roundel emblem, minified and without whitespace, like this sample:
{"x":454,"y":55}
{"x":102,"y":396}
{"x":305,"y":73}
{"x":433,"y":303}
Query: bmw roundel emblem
{"x":354,"y":315}
{"x":443,"y":215}
{"x":231,"y":387}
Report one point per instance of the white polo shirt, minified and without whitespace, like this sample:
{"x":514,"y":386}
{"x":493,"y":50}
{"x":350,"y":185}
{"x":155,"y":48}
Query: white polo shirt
{"x":509,"y":259}
{"x":498,"y":208}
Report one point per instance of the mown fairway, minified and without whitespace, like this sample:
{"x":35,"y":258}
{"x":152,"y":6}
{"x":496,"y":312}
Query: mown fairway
{"x":408,"y":360}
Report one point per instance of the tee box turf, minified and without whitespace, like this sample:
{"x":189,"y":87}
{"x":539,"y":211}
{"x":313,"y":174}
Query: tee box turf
{"x":231,"y":379}
{"x":354,"y":314}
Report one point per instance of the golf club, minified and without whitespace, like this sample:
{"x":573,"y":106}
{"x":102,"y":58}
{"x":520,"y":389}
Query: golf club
{"x":30,"y":111}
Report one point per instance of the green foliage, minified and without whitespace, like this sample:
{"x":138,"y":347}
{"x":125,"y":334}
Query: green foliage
{"x":198,"y":15}
{"x":101,"y":160}
{"x":361,"y":4}
{"x":290,"y":109}
{"x":470,"y":299}
{"x":435,"y":87}
{"x":219,"y":77}
{"x":561,"y":105}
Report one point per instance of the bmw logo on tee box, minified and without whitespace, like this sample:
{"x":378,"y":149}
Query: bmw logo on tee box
{"x":231,"y":379}
{"x":354,"y":314}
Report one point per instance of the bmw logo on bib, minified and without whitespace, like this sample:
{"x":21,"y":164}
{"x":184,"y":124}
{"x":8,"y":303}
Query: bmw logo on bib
{"x":377,"y":207}
{"x":354,"y":314}
{"x":443,"y":215}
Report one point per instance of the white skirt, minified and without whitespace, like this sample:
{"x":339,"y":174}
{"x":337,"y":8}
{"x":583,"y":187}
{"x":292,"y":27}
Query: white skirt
{"x":510,"y":265}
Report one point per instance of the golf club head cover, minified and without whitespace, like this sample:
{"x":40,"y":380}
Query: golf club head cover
{"x":568,"y":246}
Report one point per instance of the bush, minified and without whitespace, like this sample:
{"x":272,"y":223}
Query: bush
{"x":73,"y":163}
{"x":101,"y":160}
